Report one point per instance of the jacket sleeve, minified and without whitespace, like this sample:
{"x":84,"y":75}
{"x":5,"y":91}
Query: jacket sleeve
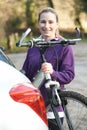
{"x":66,"y":71}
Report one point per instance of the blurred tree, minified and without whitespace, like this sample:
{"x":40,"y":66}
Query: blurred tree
{"x":32,"y":9}
{"x":51,"y":3}
{"x":80,"y":7}
{"x":17,"y":15}
{"x":30,"y":13}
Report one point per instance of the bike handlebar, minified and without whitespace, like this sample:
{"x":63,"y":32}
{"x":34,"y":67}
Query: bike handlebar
{"x":43,"y":43}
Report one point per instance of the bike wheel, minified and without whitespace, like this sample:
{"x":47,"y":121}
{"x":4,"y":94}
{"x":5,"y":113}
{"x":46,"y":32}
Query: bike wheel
{"x":75,"y":109}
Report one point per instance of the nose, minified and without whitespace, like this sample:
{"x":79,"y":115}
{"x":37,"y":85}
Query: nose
{"x":46,"y":24}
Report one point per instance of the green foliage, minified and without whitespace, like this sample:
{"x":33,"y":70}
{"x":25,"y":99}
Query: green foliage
{"x":14,"y":48}
{"x":12,"y":24}
{"x":21,"y":14}
{"x":15,"y":22}
{"x":30,"y":13}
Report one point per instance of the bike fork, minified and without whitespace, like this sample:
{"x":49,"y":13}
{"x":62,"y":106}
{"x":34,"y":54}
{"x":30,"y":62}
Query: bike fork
{"x":58,"y":120}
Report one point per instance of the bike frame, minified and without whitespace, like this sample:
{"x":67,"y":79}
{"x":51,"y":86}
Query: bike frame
{"x":52,"y":87}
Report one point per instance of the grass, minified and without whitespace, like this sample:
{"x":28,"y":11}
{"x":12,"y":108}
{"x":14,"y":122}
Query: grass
{"x":13,"y":48}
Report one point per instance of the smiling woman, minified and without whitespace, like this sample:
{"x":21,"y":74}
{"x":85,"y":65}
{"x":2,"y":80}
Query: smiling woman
{"x":59,"y":59}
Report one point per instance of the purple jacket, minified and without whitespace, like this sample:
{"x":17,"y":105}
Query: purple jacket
{"x":62,"y":59}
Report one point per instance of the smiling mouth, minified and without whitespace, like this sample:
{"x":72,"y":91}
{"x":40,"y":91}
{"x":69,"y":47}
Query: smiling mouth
{"x":46,"y":31}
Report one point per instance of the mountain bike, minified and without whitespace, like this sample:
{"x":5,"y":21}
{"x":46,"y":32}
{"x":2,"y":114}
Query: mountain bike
{"x":74,"y":104}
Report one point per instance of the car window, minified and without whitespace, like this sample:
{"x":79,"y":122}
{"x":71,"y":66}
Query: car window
{"x":5,"y":58}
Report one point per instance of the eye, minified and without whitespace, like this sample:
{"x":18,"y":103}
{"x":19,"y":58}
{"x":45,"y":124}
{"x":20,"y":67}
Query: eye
{"x":51,"y":22}
{"x":42,"y":21}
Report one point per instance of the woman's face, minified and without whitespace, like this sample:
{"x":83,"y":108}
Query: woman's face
{"x":48,"y":25}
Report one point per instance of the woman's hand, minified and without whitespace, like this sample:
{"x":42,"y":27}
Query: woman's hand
{"x":47,"y":68}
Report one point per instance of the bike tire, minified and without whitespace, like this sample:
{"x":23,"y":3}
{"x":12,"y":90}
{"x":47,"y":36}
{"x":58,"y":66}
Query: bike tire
{"x":75,"y":110}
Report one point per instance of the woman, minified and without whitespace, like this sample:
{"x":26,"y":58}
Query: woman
{"x":59,"y":59}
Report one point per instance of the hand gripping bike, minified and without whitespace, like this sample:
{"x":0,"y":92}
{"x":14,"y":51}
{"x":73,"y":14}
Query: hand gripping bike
{"x":73,"y":103}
